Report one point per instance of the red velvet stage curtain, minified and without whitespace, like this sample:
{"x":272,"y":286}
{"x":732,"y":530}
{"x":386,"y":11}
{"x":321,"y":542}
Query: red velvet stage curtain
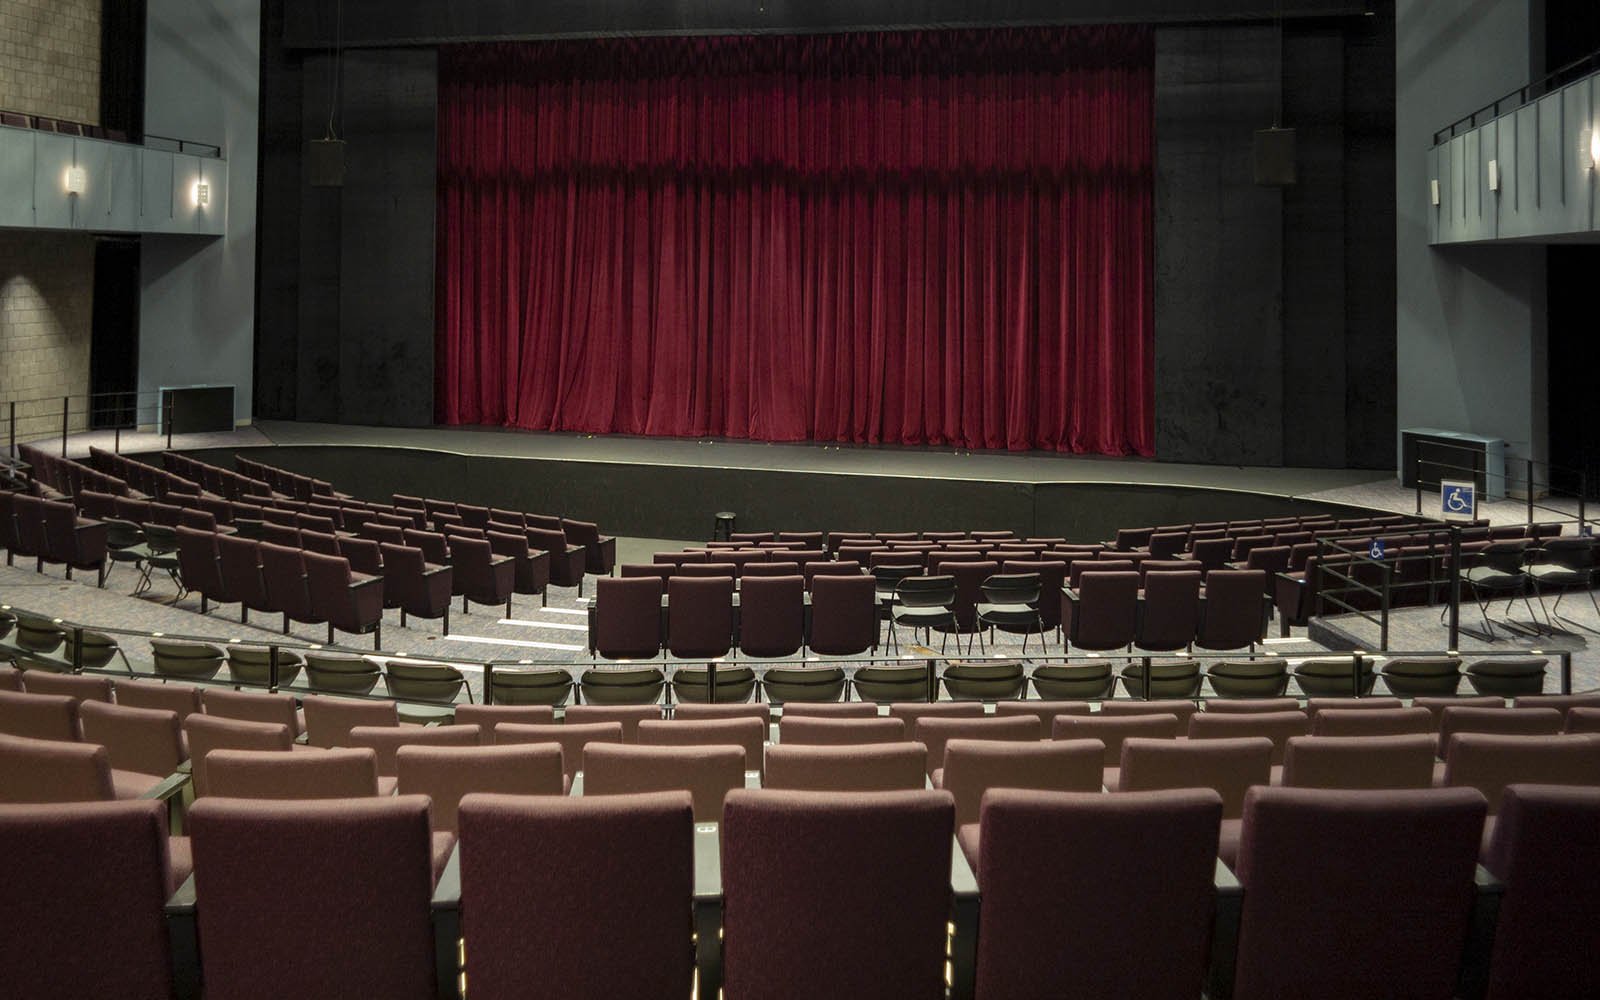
{"x":921,"y":238}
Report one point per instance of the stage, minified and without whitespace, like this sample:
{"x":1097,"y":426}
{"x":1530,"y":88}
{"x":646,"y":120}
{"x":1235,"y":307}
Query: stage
{"x":672,"y":488}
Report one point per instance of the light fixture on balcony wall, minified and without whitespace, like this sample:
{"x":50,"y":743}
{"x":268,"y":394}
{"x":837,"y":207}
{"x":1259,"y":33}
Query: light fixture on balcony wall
{"x":77,"y":179}
{"x":1594,"y":148}
{"x":1494,"y":175}
{"x":202,"y":194}
{"x":1433,"y":191}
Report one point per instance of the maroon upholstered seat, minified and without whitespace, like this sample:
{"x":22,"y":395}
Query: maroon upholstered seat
{"x":1170,"y":614}
{"x":283,"y":568}
{"x":599,"y":551}
{"x":772,"y":615}
{"x":386,"y":741}
{"x":785,"y":853}
{"x":416,"y":586}
{"x":707,"y":773}
{"x":76,"y":542}
{"x":933,"y":732}
{"x":1275,"y":726}
{"x":200,"y":567}
{"x":1501,"y":721}
{"x":1371,"y":762}
{"x":486,"y":716}
{"x":1316,"y":923}
{"x":480,"y":575}
{"x":358,"y":913}
{"x":1491,"y":761}
{"x":38,"y":770}
{"x":532,"y":574}
{"x":38,"y":716}
{"x":699,"y":616}
{"x":847,"y":768}
{"x":831,"y":710}
{"x":1101,"y":611}
{"x":208,"y":732}
{"x":350,"y":602}
{"x":78,"y":687}
{"x":973,"y":767}
{"x":269,"y":774}
{"x":627,"y":618}
{"x":1372,"y":722}
{"x":86,"y":862}
{"x":748,"y":734}
{"x":447,"y":773}
{"x":806,"y":730}
{"x":143,"y":740}
{"x":1546,"y":843}
{"x":632,"y":905}
{"x":844,"y":615}
{"x":1054,"y":860}
{"x":329,"y":720}
{"x":1233,"y":610}
{"x":570,"y":737}
{"x":242,"y":577}
{"x":567,"y":561}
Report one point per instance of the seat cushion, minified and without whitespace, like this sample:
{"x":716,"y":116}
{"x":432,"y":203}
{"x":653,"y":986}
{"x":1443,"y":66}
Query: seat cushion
{"x":1111,"y":778}
{"x":1228,"y":842}
{"x":938,"y":777}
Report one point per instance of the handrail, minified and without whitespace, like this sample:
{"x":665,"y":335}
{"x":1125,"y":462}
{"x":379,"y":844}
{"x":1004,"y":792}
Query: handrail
{"x":1559,"y":77}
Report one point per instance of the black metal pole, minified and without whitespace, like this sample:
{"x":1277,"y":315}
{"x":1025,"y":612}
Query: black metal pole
{"x":711,"y":681}
{"x":1383,"y":628}
{"x":272,"y":669}
{"x":13,"y":422}
{"x":1356,"y":662}
{"x":1416,"y":476}
{"x":1455,"y":586}
{"x":1566,"y":673}
{"x":169,"y":420}
{"x":1529,"y":475}
{"x":77,"y":649}
{"x":66,"y":402}
{"x":488,"y":683}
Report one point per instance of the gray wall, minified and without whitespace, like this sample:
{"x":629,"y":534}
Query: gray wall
{"x":197,"y":301}
{"x":1274,"y":336}
{"x":1469,"y":321}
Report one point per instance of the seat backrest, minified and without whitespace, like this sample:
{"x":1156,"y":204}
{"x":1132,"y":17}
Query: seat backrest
{"x":1359,"y":761}
{"x":1316,"y":922}
{"x":1232,"y":615}
{"x":1372,"y":722}
{"x":327,"y":581}
{"x":630,"y":907}
{"x":700,"y":623}
{"x":486,"y":716}
{"x":41,"y":770}
{"x":38,"y":716}
{"x":571,"y":737}
{"x":386,"y":741}
{"x":934,"y":732}
{"x":283,"y":569}
{"x":78,"y":687}
{"x":771,"y":615}
{"x":807,"y":730}
{"x":831,"y":710}
{"x":786,"y":852}
{"x":1106,"y":613}
{"x":329,"y":720}
{"x":1275,"y":726}
{"x":759,"y":710}
{"x":83,"y":862}
{"x":206,"y":733}
{"x":1506,"y":721}
{"x":629,"y":716}
{"x":1171,"y":611}
{"x":182,"y":699}
{"x":748,"y":734}
{"x":911,"y":712}
{"x":1546,"y":842}
{"x":1253,"y":706}
{"x":1182,"y":708}
{"x":1229,"y":767}
{"x":146,"y":740}
{"x":270,"y":774}
{"x":1106,"y":882}
{"x":252,"y":706}
{"x":708,"y":773}
{"x":627,"y":617}
{"x":1112,"y":730}
{"x":1316,"y":706}
{"x":447,"y":773}
{"x":361,"y":917}
{"x":973,"y":767}
{"x":1491,"y":761}
{"x":850,"y":768}
{"x":844,"y":615}
{"x":1045,"y":710}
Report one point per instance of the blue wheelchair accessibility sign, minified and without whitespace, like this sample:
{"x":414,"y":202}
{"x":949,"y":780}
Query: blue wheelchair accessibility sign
{"x":1376,"y":551}
{"x":1458,"y":501}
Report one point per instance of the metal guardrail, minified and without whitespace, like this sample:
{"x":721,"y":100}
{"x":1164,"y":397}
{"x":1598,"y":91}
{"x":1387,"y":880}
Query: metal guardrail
{"x":1553,"y":80}
{"x":114,"y":411}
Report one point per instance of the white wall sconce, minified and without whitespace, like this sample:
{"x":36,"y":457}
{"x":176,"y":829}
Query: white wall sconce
{"x":1433,"y":191}
{"x":1594,"y":148}
{"x":202,"y":194}
{"x":77,"y":179}
{"x":1494,"y":175}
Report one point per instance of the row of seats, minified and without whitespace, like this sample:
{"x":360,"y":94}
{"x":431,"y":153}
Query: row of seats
{"x":368,"y":864}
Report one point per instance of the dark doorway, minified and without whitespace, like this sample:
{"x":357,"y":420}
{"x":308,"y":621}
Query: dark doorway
{"x":114,"y":334}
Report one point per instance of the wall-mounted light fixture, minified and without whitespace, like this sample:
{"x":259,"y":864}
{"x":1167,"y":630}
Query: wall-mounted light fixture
{"x":1494,"y":175}
{"x":202,"y":194}
{"x":1594,"y":148}
{"x":1433,"y":191}
{"x":76,"y":180}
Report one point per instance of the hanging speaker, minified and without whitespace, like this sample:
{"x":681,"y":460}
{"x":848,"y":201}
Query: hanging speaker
{"x":324,"y":162}
{"x":1274,"y":157}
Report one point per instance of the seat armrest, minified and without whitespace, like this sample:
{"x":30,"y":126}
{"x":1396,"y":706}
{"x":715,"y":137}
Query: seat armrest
{"x":964,"y":903}
{"x":170,"y":786}
{"x":446,"y":906}
{"x":1225,"y":933}
{"x":708,"y":907}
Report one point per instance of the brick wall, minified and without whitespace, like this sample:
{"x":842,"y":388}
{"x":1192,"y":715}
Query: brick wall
{"x":46,"y":299}
{"x":50,"y":58}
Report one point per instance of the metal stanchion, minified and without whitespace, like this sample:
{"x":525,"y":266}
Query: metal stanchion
{"x":1566,"y":673}
{"x":66,"y":402}
{"x":272,"y":669}
{"x":1455,"y":586}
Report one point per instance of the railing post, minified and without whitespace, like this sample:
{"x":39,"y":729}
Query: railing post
{"x":711,"y":681}
{"x":488,"y":683}
{"x":1455,"y":586}
{"x":1583,"y":493}
{"x":167,"y":403}
{"x":77,"y":649}
{"x":1149,"y":681}
{"x":116,"y":439}
{"x":65,"y":404}
{"x":1416,"y":477}
{"x":13,"y":422}
{"x":1566,"y":672}
{"x":1356,"y":662}
{"x":1383,"y":626}
{"x":933,"y":676}
{"x":1529,"y":475}
{"x":272,"y":669}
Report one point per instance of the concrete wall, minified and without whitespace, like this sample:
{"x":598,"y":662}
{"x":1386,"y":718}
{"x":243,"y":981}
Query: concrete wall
{"x":50,"y":58}
{"x":1469,"y":321}
{"x":197,"y":308}
{"x":46,"y":299}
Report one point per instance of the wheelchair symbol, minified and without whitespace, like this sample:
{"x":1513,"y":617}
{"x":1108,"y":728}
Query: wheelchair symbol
{"x":1458,"y":501}
{"x":1376,"y":552}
